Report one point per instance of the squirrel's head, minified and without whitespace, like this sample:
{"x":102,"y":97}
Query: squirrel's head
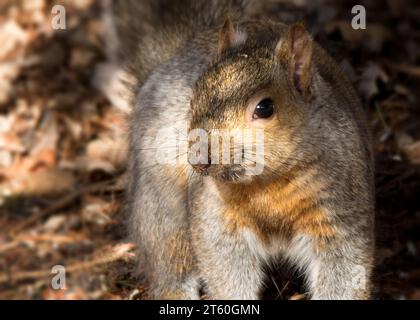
{"x":247,"y":108}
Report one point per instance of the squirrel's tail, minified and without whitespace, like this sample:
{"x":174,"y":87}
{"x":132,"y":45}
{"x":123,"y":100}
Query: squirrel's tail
{"x":148,"y":32}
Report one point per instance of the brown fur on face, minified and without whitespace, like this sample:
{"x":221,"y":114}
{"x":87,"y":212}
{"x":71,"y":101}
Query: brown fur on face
{"x":287,"y":198}
{"x":244,"y":71}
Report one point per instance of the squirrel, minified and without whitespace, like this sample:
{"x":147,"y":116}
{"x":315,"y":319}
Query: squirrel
{"x":207,"y":226}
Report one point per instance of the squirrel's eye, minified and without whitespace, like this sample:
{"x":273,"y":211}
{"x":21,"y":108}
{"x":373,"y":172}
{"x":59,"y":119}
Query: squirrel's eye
{"x":264,"y":109}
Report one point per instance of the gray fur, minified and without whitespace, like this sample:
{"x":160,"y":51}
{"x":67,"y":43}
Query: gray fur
{"x":182,"y":237}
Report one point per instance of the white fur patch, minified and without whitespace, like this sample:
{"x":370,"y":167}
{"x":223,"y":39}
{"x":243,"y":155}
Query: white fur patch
{"x":279,"y":45}
{"x":239,"y":37}
{"x":255,"y":244}
{"x":301,"y":254}
{"x":260,"y":249}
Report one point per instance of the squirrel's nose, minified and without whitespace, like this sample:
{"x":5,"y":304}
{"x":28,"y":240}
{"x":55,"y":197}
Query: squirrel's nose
{"x":202,"y":167}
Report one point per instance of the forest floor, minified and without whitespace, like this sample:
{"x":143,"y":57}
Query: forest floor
{"x":63,"y":147}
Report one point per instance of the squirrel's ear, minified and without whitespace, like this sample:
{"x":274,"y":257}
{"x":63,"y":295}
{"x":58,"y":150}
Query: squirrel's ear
{"x":296,"y":50}
{"x":229,"y":37}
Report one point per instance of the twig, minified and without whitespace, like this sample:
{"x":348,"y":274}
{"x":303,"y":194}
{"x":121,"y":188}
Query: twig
{"x":298,"y":296}
{"x":57,"y":205}
{"x":41,"y":238}
{"x":405,"y":68}
{"x":119,"y":252}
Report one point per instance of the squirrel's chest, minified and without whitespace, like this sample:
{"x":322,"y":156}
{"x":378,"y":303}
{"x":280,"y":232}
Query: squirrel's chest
{"x":278,"y":209}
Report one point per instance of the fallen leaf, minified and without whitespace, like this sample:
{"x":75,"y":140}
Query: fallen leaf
{"x":105,"y":150}
{"x":49,"y":182}
{"x":373,"y":37}
{"x":12,"y":36}
{"x":368,"y":81}
{"x":412,"y":152}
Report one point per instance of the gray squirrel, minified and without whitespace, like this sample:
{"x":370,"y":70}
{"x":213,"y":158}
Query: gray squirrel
{"x":205,"y":65}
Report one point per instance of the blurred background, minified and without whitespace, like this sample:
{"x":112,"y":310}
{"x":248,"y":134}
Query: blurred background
{"x":63,"y":145}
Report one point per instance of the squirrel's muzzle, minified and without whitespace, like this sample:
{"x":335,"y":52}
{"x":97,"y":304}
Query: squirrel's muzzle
{"x":201,"y":162}
{"x":201,"y":168}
